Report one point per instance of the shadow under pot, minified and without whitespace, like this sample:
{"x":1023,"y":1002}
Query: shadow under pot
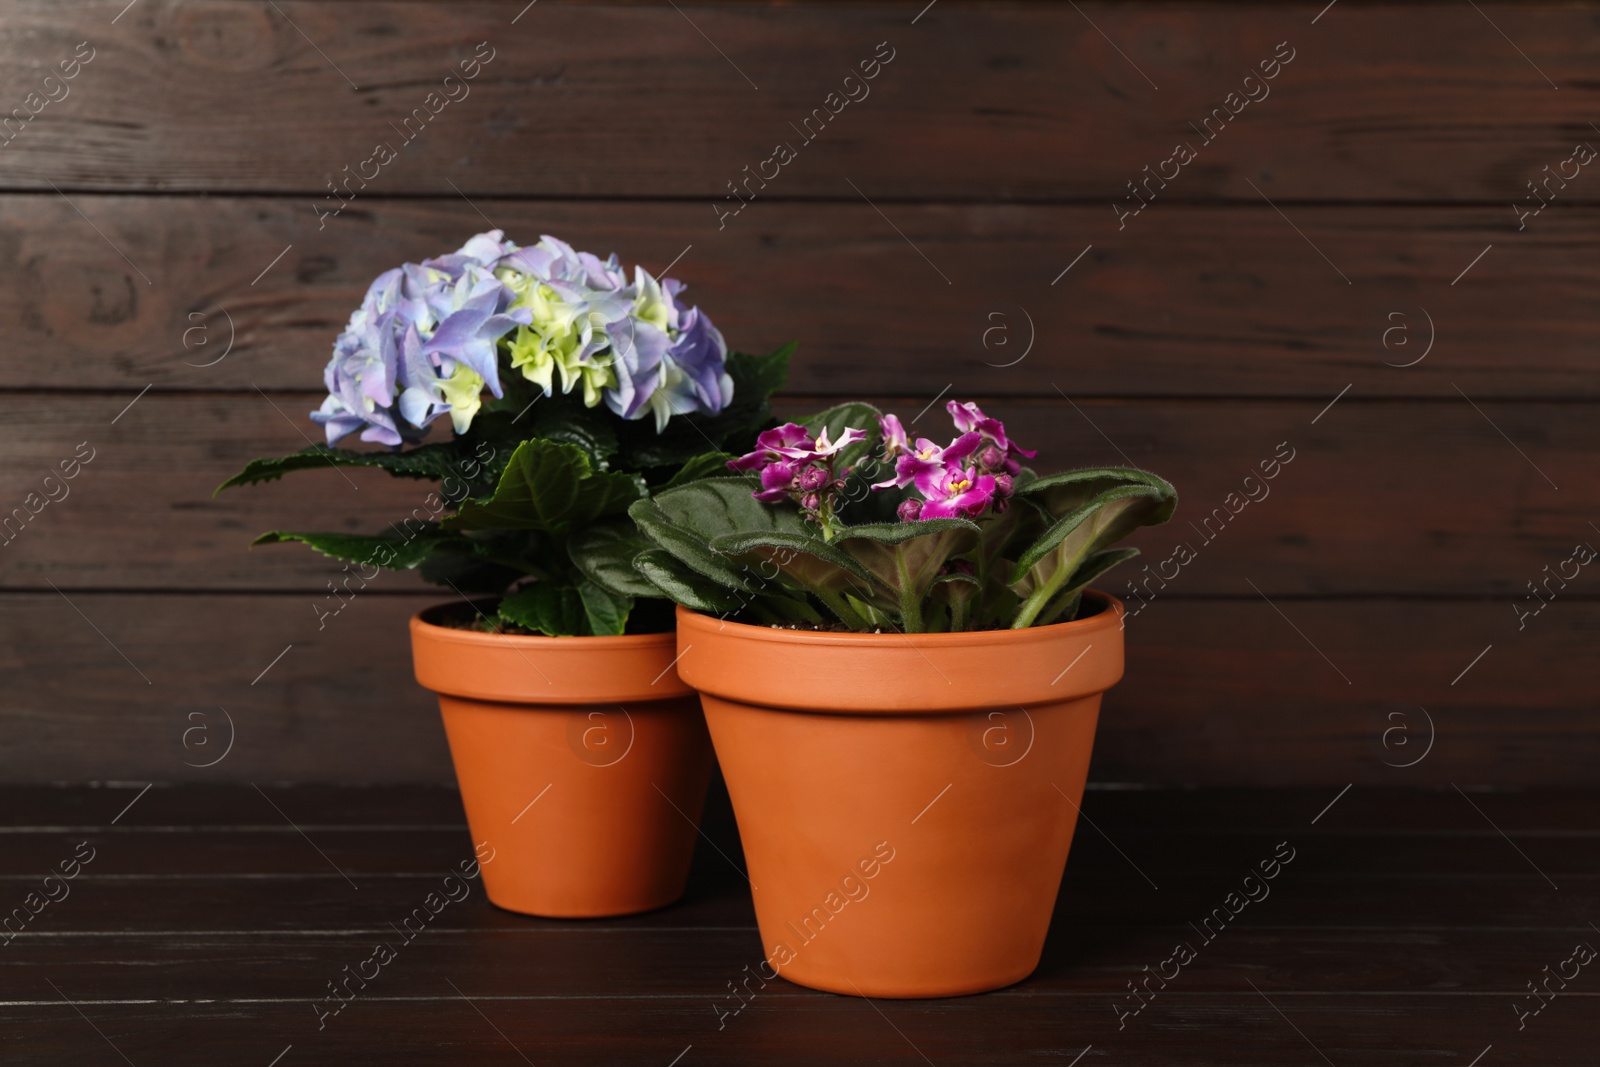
{"x":582,"y":762}
{"x":906,"y":802}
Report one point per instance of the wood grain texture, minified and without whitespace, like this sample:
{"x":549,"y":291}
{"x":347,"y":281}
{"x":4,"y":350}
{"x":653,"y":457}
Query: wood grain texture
{"x":1188,"y":301}
{"x":1385,"y":499}
{"x":1382,"y":102}
{"x":1217,"y":691}
{"x":1401,"y":932}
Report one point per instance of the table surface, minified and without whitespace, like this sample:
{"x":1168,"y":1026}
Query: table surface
{"x":210,"y":920}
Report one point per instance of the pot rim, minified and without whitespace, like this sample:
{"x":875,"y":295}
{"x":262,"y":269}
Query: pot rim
{"x":897,"y":673}
{"x":535,"y":670}
{"x":480,"y":639}
{"x":1110,"y":614}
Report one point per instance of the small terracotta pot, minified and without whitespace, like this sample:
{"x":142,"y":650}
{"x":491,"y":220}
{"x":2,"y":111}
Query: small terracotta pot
{"x":582,"y":761}
{"x":906,"y":802}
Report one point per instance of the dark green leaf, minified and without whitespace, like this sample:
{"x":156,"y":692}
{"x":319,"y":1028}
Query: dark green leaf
{"x":386,"y":550}
{"x":1061,"y":493}
{"x":607,"y":613}
{"x":687,"y":519}
{"x":805,"y":558}
{"x":564,"y":418}
{"x":548,"y":486}
{"x":555,"y":610}
{"x":1104,"y":519}
{"x":1062,"y":604}
{"x":605,"y":552}
{"x":436,"y":461}
{"x":675,"y":581}
{"x":706,"y":465}
{"x":906,"y":557}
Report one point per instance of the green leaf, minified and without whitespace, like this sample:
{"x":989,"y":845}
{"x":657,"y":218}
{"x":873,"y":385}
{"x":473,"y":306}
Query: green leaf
{"x":385,"y":550}
{"x":1062,"y":493}
{"x":1092,"y":509}
{"x":706,"y":465}
{"x":1065,"y":601}
{"x":546,"y":608}
{"x":687,"y":519}
{"x":1103,"y":520}
{"x":487,"y":562}
{"x":563,"y":418}
{"x":805,"y":558}
{"x":906,"y":557}
{"x":549,"y":486}
{"x":476,"y":458}
{"x":957,"y":592}
{"x":677,"y":582}
{"x":605,"y":552}
{"x":607,"y":613}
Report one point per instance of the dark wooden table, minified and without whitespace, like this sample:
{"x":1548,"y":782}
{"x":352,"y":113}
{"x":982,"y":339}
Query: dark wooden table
{"x":210,"y":921}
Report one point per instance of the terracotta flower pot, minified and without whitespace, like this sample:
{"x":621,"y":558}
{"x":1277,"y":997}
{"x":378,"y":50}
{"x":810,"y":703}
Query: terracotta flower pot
{"x":582,"y":761}
{"x":906,"y":802}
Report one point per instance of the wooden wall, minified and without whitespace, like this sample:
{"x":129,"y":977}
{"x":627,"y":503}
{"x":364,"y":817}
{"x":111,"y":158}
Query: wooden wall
{"x":952,"y":234}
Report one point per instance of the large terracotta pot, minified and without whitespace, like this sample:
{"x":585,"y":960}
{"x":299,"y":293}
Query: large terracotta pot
{"x":906,"y":802}
{"x":583,"y":764}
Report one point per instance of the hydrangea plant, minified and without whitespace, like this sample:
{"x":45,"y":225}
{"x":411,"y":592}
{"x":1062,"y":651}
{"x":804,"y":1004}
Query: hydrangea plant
{"x":572,"y":393}
{"x":843,"y":519}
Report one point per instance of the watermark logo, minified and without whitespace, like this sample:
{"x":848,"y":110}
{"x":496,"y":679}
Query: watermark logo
{"x":601,"y":738}
{"x":197,"y":338}
{"x":1402,"y":747}
{"x":1002,"y":738}
{"x":998,"y":340}
{"x":197,"y":738}
{"x":1398,"y":336}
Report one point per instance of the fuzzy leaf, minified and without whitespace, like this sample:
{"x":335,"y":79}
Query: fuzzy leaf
{"x":1092,"y":509}
{"x":906,"y":557}
{"x":675,"y":581}
{"x":687,"y":519}
{"x":605,"y":552}
{"x":805,"y":558}
{"x":1101,"y":508}
{"x":705,"y":465}
{"x":1063,"y":603}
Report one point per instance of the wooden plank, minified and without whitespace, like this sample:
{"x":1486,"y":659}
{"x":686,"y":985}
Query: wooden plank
{"x":1379,"y":499}
{"x":1242,"y":1029}
{"x":1034,"y":101}
{"x":1101,"y":900}
{"x":1164,"y":854}
{"x":580,"y":963}
{"x":1357,"y":951}
{"x":1217,"y":691}
{"x":1119,"y":808}
{"x":1197,"y":301}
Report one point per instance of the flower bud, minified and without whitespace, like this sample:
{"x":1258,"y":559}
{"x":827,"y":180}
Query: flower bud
{"x":992,"y":458}
{"x":910,"y":510}
{"x":811,"y":502}
{"x":1003,"y":485}
{"x":812,"y":479}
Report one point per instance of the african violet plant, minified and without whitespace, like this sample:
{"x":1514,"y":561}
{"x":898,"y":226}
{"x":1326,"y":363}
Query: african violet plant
{"x":852,"y":523}
{"x":573,"y":393}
